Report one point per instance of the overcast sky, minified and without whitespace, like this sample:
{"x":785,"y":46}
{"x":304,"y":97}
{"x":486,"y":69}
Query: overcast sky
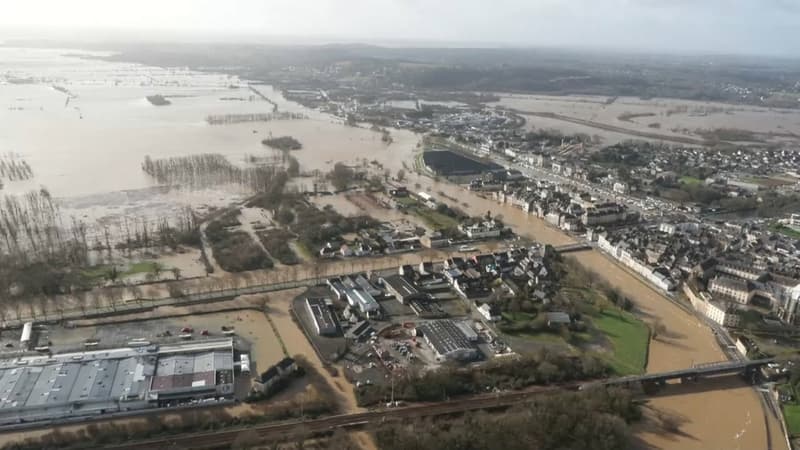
{"x":729,"y":26}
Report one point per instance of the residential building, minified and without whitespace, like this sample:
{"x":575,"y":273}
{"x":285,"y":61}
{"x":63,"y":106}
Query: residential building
{"x":732,"y":288}
{"x":604,"y":214}
{"x":486,"y":229}
{"x":490,"y":312}
{"x":270,"y":380}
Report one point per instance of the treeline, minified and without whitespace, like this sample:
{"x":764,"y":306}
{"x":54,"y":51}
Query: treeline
{"x":184,"y":229}
{"x":208,"y":169}
{"x":42,"y":254}
{"x":544,"y":367}
{"x":13,"y":168}
{"x":315,"y":227}
{"x":31,"y":229}
{"x":554,"y":136}
{"x":227,"y":119}
{"x":311,"y":226}
{"x":593,"y":420}
{"x":577,"y":276}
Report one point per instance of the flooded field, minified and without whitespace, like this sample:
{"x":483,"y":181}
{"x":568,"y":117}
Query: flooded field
{"x":85,"y":125}
{"x":85,"y":143}
{"x":678,"y":118}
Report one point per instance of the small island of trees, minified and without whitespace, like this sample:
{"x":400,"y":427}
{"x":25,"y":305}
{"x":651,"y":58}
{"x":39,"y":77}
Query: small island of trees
{"x":283,"y":143}
{"x":158,"y":100}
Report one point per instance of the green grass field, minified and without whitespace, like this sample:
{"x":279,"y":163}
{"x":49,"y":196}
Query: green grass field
{"x":406,"y":201}
{"x":629,"y":338}
{"x":140,"y":267}
{"x":98,"y":273}
{"x":434,"y":219}
{"x":690,"y":180}
{"x":786,"y":231}
{"x":792,"y":414}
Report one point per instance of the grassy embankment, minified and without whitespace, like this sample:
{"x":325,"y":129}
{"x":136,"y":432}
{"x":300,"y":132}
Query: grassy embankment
{"x":629,"y":338}
{"x":791,"y":409}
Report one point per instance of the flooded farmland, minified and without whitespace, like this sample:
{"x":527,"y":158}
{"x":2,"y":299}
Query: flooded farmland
{"x":667,"y":117}
{"x":85,"y":125}
{"x":86,"y":146}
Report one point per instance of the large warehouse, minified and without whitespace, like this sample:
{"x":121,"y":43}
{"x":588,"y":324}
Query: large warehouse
{"x":449,"y":340}
{"x":74,"y":385}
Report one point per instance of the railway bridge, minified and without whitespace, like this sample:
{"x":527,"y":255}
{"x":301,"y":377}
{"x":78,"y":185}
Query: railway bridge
{"x":749,"y":369}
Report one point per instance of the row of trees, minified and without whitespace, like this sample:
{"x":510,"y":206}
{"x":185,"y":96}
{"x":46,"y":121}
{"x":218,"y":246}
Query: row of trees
{"x":12,"y":168}
{"x":227,"y":119}
{"x":41,"y":255}
{"x":32,"y":229}
{"x":207,"y":170}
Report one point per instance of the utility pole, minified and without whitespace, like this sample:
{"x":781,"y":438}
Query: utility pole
{"x":391,"y":401}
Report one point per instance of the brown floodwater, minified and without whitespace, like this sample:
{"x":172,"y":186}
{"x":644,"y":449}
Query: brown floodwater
{"x":88,"y":152}
{"x":729,"y":418}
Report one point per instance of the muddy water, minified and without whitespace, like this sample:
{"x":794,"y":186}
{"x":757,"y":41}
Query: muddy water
{"x":93,"y":153}
{"x":730,"y":418}
{"x":297,"y":344}
{"x":87,"y":148}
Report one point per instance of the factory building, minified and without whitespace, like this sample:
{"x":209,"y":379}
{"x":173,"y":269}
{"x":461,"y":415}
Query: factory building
{"x":364,"y":302}
{"x":449,"y":341}
{"x":402,"y":289}
{"x":75,"y":386}
{"x":325,"y":323}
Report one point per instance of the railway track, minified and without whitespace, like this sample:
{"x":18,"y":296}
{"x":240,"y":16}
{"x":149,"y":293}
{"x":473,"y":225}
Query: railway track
{"x":297,"y":428}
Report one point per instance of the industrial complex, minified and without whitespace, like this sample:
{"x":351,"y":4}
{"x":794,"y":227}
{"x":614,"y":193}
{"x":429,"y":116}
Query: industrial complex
{"x":73,"y":386}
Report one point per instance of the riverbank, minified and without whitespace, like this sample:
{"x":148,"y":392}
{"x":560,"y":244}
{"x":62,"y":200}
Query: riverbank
{"x":729,"y":418}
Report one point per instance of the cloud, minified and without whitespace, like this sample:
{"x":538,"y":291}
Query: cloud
{"x":684,"y":25}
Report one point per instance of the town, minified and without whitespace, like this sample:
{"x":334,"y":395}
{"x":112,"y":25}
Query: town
{"x":353,"y":247}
